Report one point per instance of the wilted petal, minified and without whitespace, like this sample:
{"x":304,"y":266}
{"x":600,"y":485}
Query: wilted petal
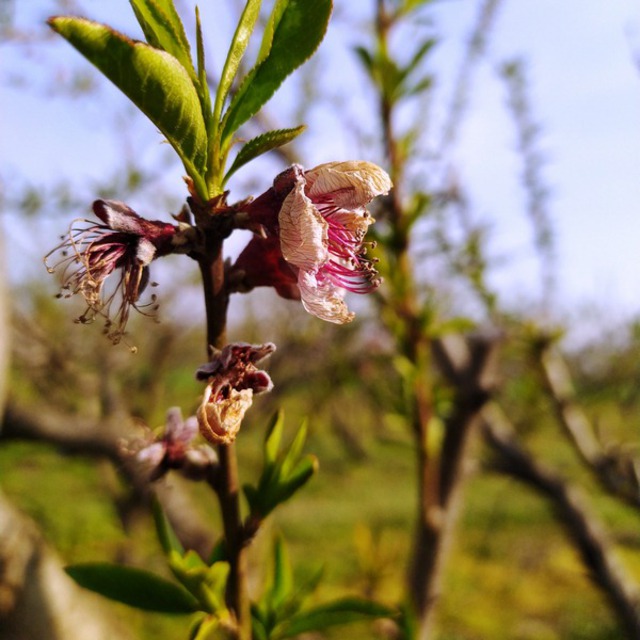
{"x":303,"y":231}
{"x":233,"y":380}
{"x":323,"y":299}
{"x":219,"y":419}
{"x":348,"y":185}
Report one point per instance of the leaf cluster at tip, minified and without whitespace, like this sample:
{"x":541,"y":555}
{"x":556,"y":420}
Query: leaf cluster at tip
{"x":160,"y":78}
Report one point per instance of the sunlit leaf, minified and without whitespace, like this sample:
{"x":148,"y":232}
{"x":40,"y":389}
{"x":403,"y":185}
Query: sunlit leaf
{"x":282,"y":575}
{"x":163,"y":29}
{"x":243,"y":32}
{"x":297,"y":35}
{"x":134,"y":587}
{"x":153,"y":79}
{"x":274,"y":437}
{"x":261,"y":144}
{"x":270,"y":28}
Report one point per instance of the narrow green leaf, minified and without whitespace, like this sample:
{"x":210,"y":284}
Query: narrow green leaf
{"x":166,"y":534}
{"x":261,"y":144}
{"x":245,"y":28}
{"x":295,"y":449}
{"x":302,"y":473}
{"x":258,"y":629}
{"x":417,"y":57}
{"x":154,"y":80}
{"x":366,"y":58}
{"x":299,"y":31}
{"x":203,"y":89}
{"x":273,"y":438}
{"x":164,"y":30}
{"x":282,"y":575}
{"x":340,"y":612}
{"x":133,"y":587}
{"x":270,"y":28}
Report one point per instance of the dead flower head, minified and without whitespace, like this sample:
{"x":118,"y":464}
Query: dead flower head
{"x":233,"y":379}
{"x":124,"y":243}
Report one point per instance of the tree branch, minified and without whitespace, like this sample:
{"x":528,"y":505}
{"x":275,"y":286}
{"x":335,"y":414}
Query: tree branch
{"x":580,"y":524}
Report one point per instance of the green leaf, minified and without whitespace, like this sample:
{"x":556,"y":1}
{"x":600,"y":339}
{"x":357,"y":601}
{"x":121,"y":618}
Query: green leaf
{"x":261,"y":144}
{"x":203,"y":90}
{"x":133,"y":587}
{"x":245,"y":28}
{"x":274,"y":437}
{"x":270,"y":28}
{"x":335,"y":613}
{"x":164,"y":30}
{"x":166,"y":534}
{"x":295,"y":449}
{"x":154,"y":80}
{"x":282,"y":576}
{"x":300,"y":29}
{"x":302,"y":473}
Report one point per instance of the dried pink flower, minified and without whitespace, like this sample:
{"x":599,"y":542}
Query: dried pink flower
{"x":233,"y":379}
{"x":124,"y":242}
{"x":173,"y":449}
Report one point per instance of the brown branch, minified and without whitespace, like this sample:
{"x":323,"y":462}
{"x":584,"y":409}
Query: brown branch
{"x":98,"y":439}
{"x":469,"y":366}
{"x":580,"y":524}
{"x":616,"y":472}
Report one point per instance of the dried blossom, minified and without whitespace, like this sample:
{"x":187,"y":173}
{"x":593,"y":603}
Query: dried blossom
{"x":174,"y":449}
{"x":124,"y":242}
{"x":233,"y":379}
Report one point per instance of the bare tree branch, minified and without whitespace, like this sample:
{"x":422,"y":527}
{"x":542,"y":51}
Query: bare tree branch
{"x":102,"y":439}
{"x":616,"y":471}
{"x":581,"y":525}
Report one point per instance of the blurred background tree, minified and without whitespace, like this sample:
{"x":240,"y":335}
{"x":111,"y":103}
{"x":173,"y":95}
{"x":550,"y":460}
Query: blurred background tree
{"x":503,"y":559}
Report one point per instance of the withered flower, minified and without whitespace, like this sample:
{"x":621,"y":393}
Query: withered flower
{"x":174,"y":449}
{"x":233,"y":379}
{"x":123,"y":242}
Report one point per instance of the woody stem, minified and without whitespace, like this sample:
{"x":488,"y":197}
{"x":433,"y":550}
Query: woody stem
{"x":227,"y":483}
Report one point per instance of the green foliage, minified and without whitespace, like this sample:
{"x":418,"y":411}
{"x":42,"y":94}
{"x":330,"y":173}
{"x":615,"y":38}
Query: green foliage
{"x":280,"y":612}
{"x":134,"y":587}
{"x":164,"y":30}
{"x":284,"y":471}
{"x":294,"y":32}
{"x":152,"y":79}
{"x":236,"y":52}
{"x":159,"y":77}
{"x":261,"y":144}
{"x":166,"y":535}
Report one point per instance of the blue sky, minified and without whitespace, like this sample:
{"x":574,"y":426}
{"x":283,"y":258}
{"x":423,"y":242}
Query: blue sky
{"x":584,"y":88}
